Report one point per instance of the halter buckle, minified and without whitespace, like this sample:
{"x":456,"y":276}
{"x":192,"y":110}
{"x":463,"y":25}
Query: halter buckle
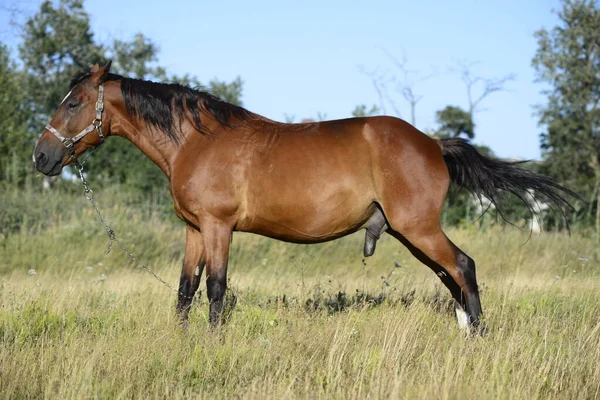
{"x":68,"y":143}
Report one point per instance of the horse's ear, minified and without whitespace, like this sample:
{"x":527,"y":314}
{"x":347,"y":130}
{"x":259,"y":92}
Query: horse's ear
{"x":98,"y":73}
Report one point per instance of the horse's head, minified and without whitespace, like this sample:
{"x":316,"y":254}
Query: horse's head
{"x":76,"y":125}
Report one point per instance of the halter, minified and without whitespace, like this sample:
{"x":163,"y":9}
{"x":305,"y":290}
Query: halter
{"x":96,"y":125}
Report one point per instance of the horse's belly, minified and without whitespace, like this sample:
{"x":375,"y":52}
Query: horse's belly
{"x":301,"y":220}
{"x":310,"y":188}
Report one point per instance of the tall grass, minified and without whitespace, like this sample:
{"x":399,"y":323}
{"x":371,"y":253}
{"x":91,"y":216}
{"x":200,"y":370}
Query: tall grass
{"x":310,"y":321}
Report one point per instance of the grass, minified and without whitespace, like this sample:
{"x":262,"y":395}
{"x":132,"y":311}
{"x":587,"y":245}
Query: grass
{"x":310,"y":321}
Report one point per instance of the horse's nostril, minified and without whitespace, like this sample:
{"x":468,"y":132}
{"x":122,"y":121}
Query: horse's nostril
{"x":42,"y":159}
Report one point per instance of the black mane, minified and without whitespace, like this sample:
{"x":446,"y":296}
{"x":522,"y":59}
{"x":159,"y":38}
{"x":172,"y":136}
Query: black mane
{"x":165,"y":106}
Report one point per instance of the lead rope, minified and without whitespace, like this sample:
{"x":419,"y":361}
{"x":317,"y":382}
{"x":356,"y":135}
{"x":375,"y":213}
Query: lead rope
{"x":89,"y":195}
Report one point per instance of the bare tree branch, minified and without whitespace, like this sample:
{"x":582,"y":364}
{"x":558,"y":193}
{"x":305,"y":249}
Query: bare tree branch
{"x":471,"y":81}
{"x":405,"y":86}
{"x":17,"y":12}
{"x":377,"y":79}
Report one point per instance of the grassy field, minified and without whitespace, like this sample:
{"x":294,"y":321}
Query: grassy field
{"x":310,"y":321}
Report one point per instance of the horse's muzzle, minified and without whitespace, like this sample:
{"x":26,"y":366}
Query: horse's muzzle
{"x":47,"y":160}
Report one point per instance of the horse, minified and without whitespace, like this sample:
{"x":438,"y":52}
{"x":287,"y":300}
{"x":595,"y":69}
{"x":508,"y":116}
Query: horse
{"x":230,"y":169}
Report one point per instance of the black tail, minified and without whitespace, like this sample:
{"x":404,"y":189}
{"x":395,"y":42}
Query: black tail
{"x":485,"y":176}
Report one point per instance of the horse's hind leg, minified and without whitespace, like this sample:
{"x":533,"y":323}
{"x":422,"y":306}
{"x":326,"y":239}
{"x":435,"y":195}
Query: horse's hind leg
{"x":193,"y":264}
{"x":455,"y":269}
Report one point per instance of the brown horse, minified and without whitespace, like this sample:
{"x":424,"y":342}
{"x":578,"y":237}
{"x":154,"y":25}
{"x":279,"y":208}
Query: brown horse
{"x":233,"y":170}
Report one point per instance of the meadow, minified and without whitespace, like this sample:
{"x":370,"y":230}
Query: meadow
{"x":303,"y":321}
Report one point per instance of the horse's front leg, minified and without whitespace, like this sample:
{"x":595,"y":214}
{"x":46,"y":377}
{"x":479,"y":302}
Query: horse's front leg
{"x":217,"y":238}
{"x":193,"y":264}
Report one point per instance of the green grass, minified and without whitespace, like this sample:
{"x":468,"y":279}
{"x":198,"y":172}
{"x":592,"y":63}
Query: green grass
{"x":310,"y":321}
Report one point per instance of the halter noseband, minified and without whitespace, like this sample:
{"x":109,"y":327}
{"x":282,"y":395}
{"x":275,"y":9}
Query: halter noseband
{"x":96,"y":125}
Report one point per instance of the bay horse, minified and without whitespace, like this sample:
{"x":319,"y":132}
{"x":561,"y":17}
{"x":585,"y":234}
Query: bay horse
{"x":232,"y":170}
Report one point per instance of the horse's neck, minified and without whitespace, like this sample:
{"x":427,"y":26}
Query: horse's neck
{"x":156,"y":146}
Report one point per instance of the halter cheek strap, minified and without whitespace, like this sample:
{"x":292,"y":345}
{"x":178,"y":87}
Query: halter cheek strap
{"x":96,"y":125}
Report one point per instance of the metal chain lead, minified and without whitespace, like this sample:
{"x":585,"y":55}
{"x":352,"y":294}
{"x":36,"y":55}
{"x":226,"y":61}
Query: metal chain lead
{"x":89,"y":195}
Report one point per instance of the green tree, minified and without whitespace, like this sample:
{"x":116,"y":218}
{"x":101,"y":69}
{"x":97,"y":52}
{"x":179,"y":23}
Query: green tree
{"x":568,"y":61}
{"x":230,"y":92}
{"x":460,"y":206}
{"x":136,"y":59}
{"x":16,"y":142}
{"x":455,"y":121}
{"x":57,"y":45}
{"x":362,"y":111}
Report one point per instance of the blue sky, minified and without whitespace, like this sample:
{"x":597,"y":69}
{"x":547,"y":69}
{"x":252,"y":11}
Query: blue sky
{"x":304,"y":58}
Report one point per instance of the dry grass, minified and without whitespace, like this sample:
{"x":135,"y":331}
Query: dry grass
{"x":88,"y":325}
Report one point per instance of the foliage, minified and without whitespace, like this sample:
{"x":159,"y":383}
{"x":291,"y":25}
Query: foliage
{"x":15,"y":140}
{"x":134,"y":59}
{"x":230,"y":92}
{"x":568,"y":61}
{"x":58,"y":44}
{"x":454,"y":121}
{"x":362,"y":111}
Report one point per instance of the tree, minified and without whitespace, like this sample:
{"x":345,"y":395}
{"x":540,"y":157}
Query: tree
{"x":404,"y":85}
{"x":487,"y":86}
{"x":362,"y":111}
{"x":453,"y":122}
{"x":230,"y":92}
{"x":568,"y":61}
{"x":134,"y":59}
{"x":57,"y":45}
{"x":16,"y":142}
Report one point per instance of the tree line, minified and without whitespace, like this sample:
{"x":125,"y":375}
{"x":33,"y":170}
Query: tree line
{"x":57,"y":43}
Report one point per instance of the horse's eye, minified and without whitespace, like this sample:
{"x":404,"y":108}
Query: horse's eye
{"x":72,"y":105}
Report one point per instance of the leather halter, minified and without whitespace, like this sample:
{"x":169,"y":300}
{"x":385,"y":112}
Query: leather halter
{"x":96,"y":125}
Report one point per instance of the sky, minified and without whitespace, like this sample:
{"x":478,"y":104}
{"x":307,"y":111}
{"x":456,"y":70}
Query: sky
{"x":308,"y":58}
